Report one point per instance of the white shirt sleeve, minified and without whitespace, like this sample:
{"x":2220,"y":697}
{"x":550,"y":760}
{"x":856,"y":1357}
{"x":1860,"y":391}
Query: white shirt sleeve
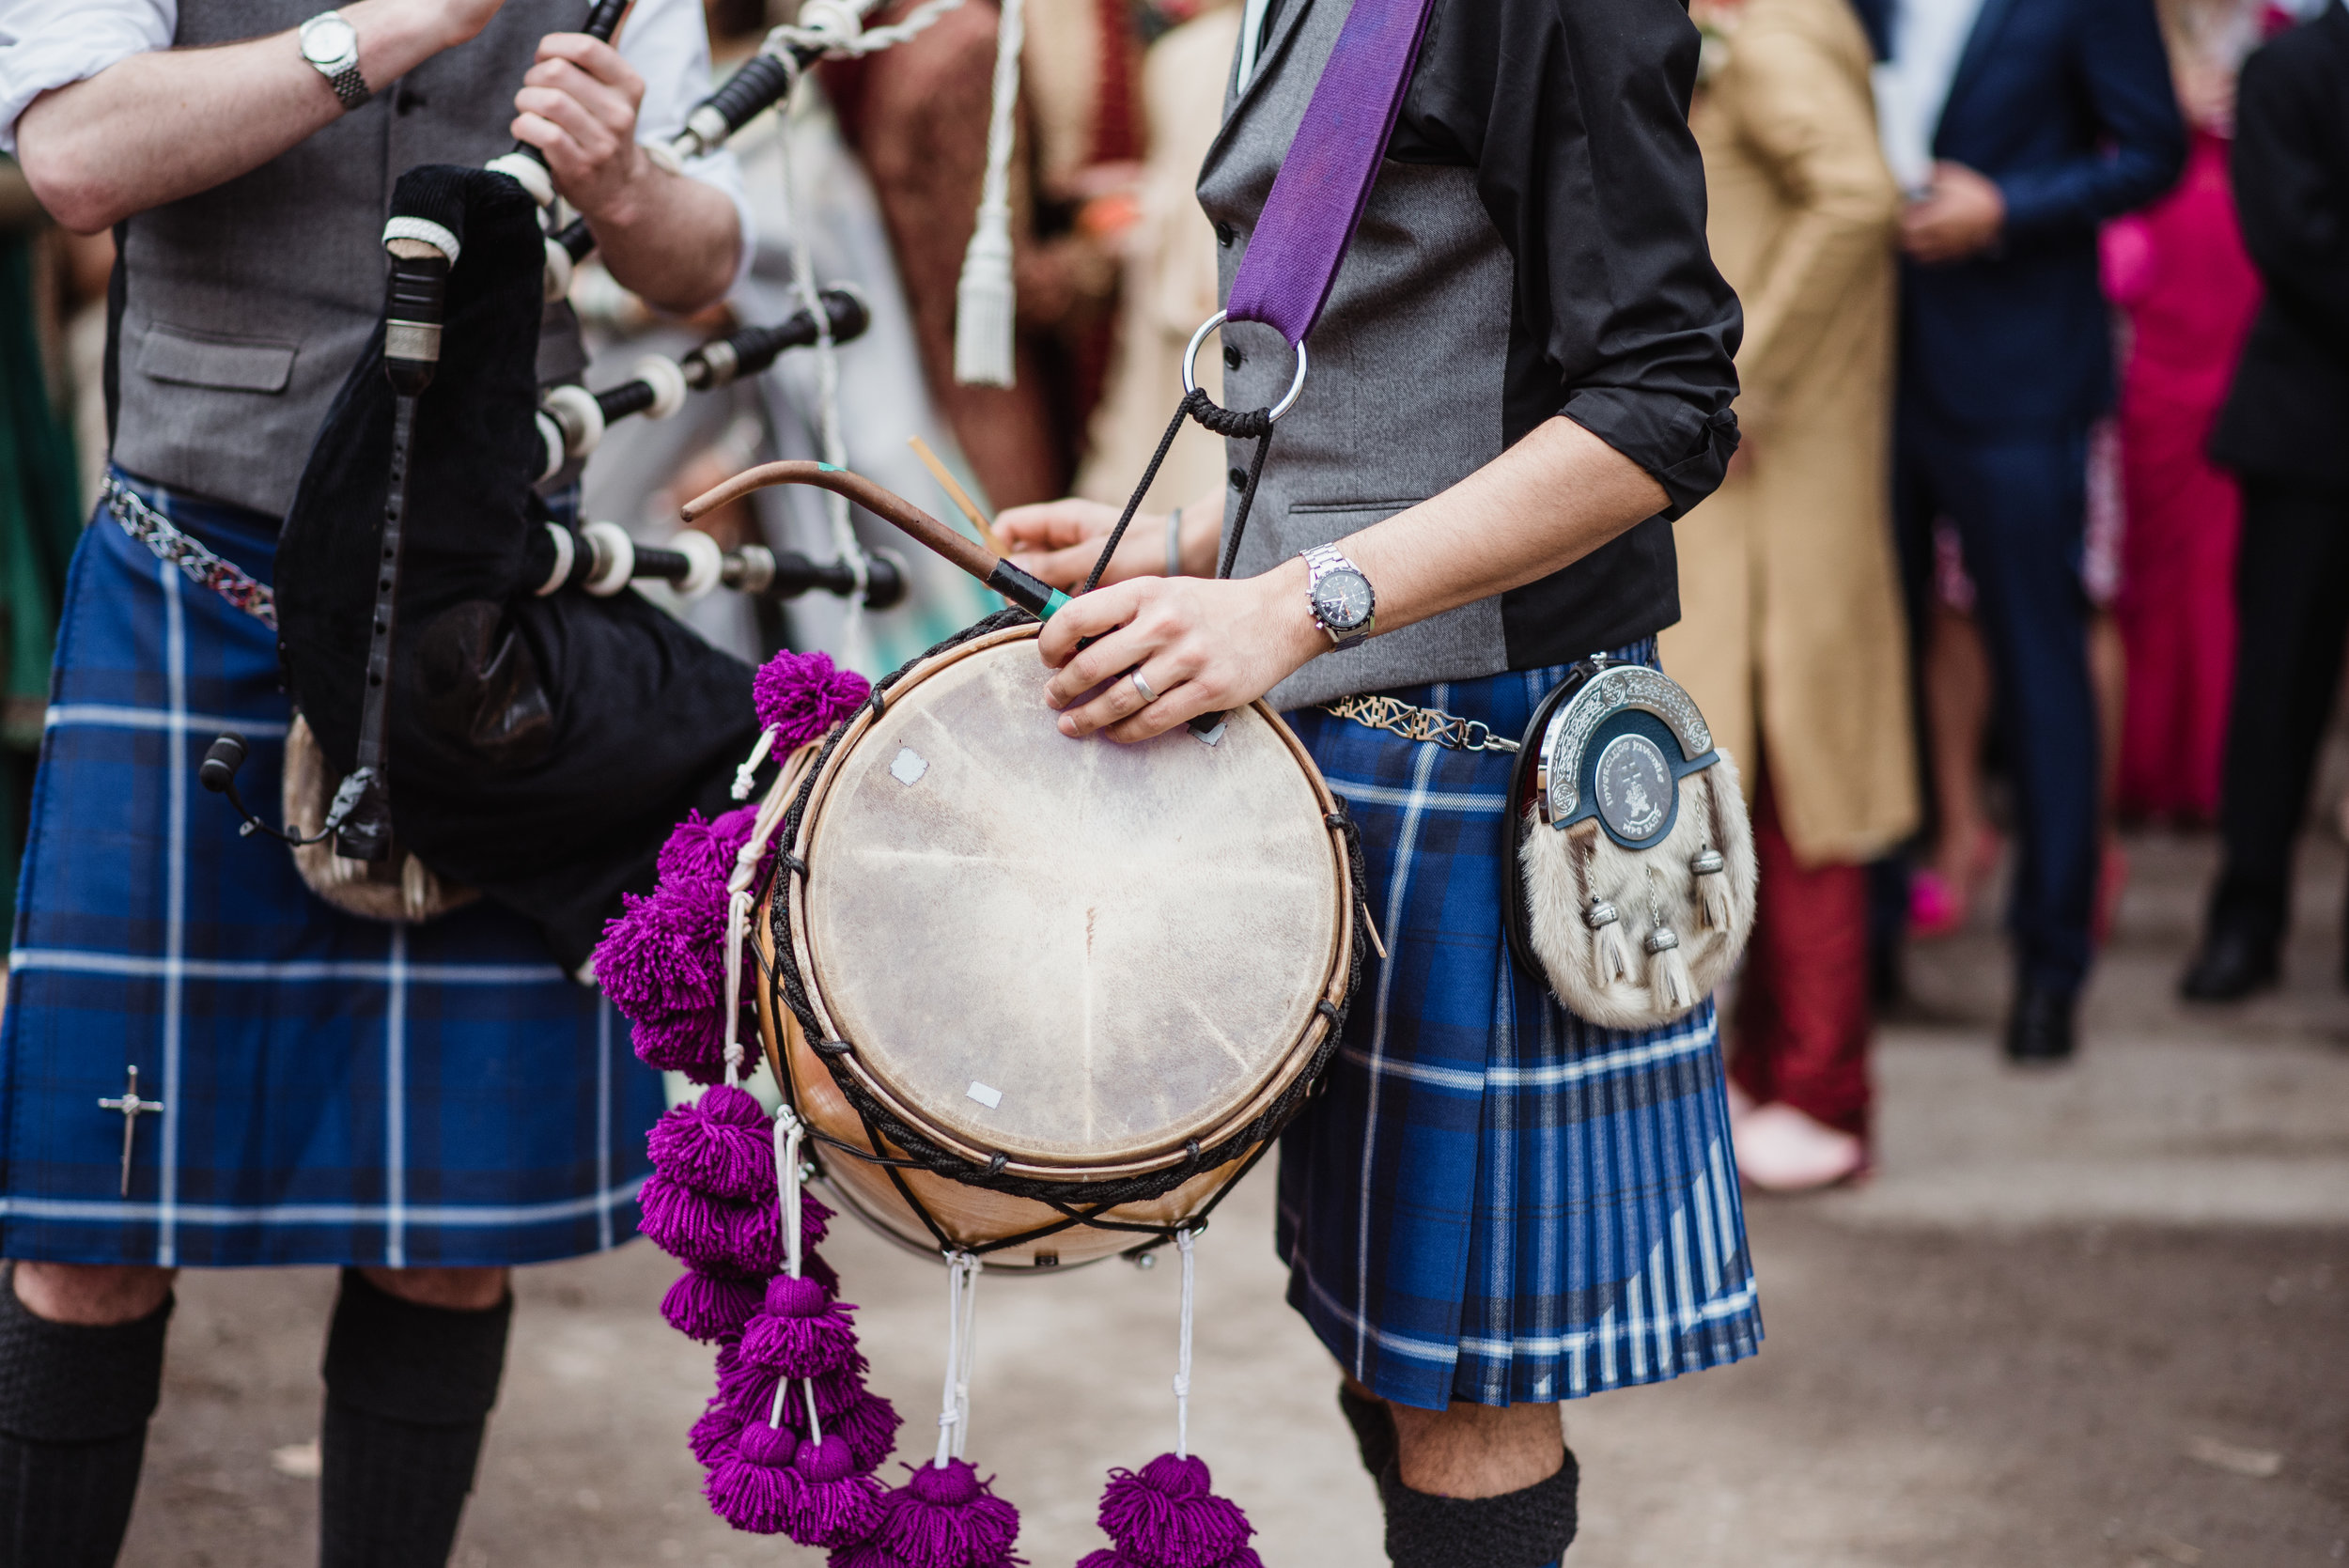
{"x":668,"y":43}
{"x":54,"y":44}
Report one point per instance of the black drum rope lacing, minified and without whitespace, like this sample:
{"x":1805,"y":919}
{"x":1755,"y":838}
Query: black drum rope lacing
{"x":1076,"y":1202}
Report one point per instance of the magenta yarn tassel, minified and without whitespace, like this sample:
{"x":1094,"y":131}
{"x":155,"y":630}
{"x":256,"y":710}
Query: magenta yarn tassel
{"x":753,"y":1485}
{"x":712,"y":1435}
{"x":751,"y":1389}
{"x":708,"y":1307}
{"x":835,"y":1505}
{"x":718,"y":1143}
{"x":690,"y":1042}
{"x":1167,"y":1515}
{"x":664,"y":954}
{"x":1110,"y":1558}
{"x":801,"y":1332}
{"x":708,"y":1234}
{"x":870,"y":1425}
{"x":701,"y":850}
{"x":800,"y":695}
{"x":939,"y":1518}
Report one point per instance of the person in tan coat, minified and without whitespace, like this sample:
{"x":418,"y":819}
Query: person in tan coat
{"x":1791,"y":636}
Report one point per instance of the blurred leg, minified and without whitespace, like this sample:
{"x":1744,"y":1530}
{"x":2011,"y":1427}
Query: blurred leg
{"x":413,"y":1361}
{"x":81,"y":1371}
{"x":1802,"y":1013}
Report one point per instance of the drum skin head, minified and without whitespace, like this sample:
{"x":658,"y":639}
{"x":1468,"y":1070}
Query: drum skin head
{"x":1072,"y":952}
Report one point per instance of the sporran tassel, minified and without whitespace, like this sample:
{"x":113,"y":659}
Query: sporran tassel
{"x":1711,"y":887}
{"x":1611,"y":960}
{"x":984,"y":305}
{"x":1668,"y":979}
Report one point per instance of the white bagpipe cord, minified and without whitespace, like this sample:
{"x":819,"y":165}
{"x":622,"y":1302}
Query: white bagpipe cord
{"x":962,"y":1297}
{"x":1183,"y":1241}
{"x":739,"y":907}
{"x":789,"y":1133}
{"x":985,"y":306}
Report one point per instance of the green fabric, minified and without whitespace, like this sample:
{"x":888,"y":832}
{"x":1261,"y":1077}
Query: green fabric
{"x":40,"y":521}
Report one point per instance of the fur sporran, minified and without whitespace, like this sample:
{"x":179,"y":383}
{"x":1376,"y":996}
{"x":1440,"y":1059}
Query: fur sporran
{"x":1633,"y":869}
{"x":400,"y":888}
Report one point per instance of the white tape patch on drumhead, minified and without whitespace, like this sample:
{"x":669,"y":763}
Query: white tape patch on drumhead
{"x":910,"y":765}
{"x":980,"y":1092}
{"x":1211,"y":736}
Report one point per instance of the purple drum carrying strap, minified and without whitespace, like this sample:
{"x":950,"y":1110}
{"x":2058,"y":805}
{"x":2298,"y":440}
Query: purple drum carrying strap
{"x":1324,"y":183}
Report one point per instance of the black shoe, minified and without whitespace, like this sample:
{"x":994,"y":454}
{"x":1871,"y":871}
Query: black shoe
{"x":2232,"y":964}
{"x":2039,"y":1031}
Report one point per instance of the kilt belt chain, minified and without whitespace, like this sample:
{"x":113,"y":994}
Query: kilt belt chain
{"x":1412,"y":723}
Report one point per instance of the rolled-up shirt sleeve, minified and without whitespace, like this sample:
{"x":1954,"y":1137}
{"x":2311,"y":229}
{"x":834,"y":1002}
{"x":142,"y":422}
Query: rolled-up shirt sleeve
{"x":46,"y":44}
{"x":668,"y":43}
{"x":1575,"y":115}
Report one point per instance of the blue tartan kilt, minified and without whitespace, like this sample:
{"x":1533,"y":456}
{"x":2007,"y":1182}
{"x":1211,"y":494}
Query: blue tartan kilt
{"x":334,"y":1091}
{"x":1493,"y":1201}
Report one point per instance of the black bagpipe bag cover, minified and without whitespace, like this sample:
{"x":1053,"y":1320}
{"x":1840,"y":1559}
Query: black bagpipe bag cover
{"x":540,"y":749}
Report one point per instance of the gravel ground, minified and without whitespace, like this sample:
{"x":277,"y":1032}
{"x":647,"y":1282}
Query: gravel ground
{"x":2098,"y":1316}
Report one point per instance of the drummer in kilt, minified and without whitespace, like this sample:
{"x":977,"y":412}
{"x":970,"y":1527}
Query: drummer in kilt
{"x":1521,"y":375}
{"x":202,"y":1065}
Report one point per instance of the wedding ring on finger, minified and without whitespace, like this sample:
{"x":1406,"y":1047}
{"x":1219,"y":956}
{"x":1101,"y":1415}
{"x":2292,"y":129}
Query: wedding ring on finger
{"x":1141,"y":686}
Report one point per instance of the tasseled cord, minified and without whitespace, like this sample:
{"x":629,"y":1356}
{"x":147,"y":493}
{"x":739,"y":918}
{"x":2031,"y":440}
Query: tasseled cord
{"x":1668,"y":982}
{"x":1610,"y":960}
{"x":983,"y":301}
{"x":1167,"y":1514}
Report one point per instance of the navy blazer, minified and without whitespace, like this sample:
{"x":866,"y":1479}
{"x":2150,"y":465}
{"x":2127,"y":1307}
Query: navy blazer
{"x":2067,"y":105}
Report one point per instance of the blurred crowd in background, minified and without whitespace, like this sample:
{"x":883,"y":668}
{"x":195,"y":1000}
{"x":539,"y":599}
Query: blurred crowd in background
{"x":1972,"y":596}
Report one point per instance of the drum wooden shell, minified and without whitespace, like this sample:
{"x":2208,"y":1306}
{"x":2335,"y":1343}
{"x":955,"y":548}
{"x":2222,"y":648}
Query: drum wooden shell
{"x":1084,"y":957}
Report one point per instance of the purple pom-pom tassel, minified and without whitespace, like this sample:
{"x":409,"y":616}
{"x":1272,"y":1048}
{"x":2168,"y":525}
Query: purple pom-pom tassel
{"x":708,"y":1234}
{"x":751,"y":1389}
{"x":701,"y":851}
{"x":712,"y":1435}
{"x":753,"y":1485}
{"x":691,"y":1041}
{"x":664,"y":954}
{"x":710,"y":1307}
{"x":943,"y":1517}
{"x":800,"y":695}
{"x":870,"y":1425}
{"x":717,"y":1143}
{"x":835,"y":1504}
{"x":1167,"y":1515}
{"x":801,"y":1331}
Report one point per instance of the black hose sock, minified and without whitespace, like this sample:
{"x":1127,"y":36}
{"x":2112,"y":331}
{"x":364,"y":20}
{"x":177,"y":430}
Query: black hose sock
{"x":408,"y":1396}
{"x":74,"y":1403}
{"x":1527,"y":1529}
{"x":1373,"y":1428}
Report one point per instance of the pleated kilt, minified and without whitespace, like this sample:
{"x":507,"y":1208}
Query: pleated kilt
{"x":334,"y":1091}
{"x":1494,"y":1201}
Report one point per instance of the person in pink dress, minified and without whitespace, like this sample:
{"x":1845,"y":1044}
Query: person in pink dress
{"x":2185,"y":290}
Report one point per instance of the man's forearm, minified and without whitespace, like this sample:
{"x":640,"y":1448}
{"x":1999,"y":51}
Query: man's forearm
{"x":675,"y":243}
{"x":160,"y":126}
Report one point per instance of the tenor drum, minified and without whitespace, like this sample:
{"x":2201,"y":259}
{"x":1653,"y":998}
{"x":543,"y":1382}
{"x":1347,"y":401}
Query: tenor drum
{"x":1038,"y":997}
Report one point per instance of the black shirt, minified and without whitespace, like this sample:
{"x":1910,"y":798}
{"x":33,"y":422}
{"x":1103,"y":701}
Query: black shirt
{"x":1575,"y":115}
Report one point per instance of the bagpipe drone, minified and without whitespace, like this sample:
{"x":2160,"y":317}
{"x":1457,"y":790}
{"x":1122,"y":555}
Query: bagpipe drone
{"x":549,"y":727}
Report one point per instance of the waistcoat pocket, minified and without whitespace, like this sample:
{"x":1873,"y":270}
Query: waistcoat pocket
{"x":227,"y":364}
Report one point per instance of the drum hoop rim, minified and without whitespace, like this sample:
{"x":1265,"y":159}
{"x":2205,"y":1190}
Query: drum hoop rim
{"x":1300,"y":1053}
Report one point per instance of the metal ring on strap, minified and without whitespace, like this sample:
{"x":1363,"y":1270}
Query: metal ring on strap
{"x":1191,"y":364}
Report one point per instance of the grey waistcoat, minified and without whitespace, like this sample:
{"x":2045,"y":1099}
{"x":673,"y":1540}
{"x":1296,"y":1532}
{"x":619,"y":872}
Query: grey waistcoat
{"x":1402,"y":398}
{"x":245,"y":306}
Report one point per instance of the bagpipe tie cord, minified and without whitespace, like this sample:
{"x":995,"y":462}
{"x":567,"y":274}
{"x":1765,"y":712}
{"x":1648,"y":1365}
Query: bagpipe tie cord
{"x":74,"y":1403}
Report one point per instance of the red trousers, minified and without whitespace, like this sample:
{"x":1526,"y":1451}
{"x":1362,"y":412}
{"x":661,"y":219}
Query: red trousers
{"x":1801,"y":1028}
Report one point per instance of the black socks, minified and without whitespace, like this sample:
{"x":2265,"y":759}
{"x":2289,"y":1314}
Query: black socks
{"x":1527,"y":1529}
{"x":74,"y":1403}
{"x":408,"y":1395}
{"x":1373,"y":1428}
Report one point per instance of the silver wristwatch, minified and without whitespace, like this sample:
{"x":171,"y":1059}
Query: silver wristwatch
{"x":1343,"y":601}
{"x":332,"y":45}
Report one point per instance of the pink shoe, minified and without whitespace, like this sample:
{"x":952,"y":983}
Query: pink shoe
{"x":1781,"y":1149}
{"x":1934,"y":907}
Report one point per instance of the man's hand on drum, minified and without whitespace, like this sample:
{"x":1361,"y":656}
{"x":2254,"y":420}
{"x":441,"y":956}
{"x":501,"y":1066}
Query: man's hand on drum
{"x":1170,"y":648}
{"x":1059,"y":540}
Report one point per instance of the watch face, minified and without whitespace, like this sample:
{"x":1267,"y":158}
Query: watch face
{"x":327,"y":40}
{"x":1344,"y":600}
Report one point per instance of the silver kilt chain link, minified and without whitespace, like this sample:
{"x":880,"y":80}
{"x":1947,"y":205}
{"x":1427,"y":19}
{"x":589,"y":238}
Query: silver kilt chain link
{"x":1412,"y":723}
{"x":200,"y":565}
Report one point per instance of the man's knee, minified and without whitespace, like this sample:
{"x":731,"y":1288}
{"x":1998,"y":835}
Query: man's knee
{"x":1477,"y":1450}
{"x":92,"y":1295}
{"x":464,"y":1290}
